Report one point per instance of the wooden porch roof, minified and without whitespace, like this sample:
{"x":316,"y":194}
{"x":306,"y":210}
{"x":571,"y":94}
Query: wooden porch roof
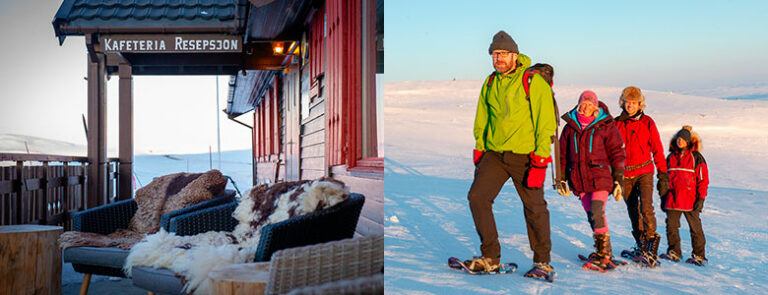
{"x":79,"y":17}
{"x":255,"y":22}
{"x":252,"y":86}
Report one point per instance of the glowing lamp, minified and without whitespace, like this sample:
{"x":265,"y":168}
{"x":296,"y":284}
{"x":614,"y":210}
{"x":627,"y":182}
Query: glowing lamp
{"x":278,"y":47}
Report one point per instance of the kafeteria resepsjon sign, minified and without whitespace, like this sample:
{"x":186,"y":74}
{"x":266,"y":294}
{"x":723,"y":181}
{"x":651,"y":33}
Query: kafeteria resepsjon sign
{"x":190,"y":43}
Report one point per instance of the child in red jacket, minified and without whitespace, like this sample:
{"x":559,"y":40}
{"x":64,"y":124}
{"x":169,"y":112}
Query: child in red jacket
{"x":688,"y":183}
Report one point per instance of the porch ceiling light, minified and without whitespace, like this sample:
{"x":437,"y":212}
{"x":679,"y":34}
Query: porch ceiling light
{"x":278,"y":48}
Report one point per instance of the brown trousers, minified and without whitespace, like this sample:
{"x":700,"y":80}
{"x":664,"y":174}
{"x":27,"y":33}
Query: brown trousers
{"x":698,"y":240}
{"x":638,"y":195}
{"x":491,"y":173}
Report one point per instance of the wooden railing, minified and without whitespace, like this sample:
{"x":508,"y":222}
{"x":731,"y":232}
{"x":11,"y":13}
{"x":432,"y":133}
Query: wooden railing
{"x":46,"y":189}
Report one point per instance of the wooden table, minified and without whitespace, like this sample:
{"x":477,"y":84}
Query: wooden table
{"x":30,"y":259}
{"x":240,"y":279}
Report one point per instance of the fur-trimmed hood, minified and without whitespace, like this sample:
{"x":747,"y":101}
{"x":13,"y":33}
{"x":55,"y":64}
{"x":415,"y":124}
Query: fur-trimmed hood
{"x":695,"y":144}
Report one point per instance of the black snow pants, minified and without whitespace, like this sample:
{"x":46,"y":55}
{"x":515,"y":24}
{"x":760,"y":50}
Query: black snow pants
{"x":491,"y":173}
{"x":698,"y":240}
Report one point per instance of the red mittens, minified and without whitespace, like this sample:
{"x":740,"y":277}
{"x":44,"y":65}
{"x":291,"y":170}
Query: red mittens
{"x":476,"y":155}
{"x":538,"y":171}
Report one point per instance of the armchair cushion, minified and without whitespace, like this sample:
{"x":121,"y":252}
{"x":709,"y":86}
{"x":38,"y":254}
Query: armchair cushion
{"x":105,"y":256}
{"x":159,"y":280}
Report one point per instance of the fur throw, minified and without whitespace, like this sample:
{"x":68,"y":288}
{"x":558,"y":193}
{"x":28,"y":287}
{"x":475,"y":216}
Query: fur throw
{"x":192,"y":257}
{"x":163,"y":195}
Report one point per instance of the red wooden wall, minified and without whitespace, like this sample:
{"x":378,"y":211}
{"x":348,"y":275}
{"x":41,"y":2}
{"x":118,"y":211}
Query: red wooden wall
{"x":317,"y":46}
{"x":266,"y":129}
{"x":344,"y":72}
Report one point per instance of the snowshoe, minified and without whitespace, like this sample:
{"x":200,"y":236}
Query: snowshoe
{"x":542,"y":271}
{"x":594,"y":263}
{"x":478,"y":266}
{"x":641,"y":258}
{"x":628,"y":254}
{"x":671,"y":256}
{"x":697,"y":260}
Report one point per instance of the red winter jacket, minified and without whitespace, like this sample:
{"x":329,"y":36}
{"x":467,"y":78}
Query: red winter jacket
{"x":688,"y":180}
{"x":641,"y":139}
{"x":588,"y":155}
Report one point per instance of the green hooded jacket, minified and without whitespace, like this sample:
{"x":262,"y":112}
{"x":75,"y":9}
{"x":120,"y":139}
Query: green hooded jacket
{"x":506,"y":121}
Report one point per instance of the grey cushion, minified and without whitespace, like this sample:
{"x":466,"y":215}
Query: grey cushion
{"x":99,"y":256}
{"x":158,"y":280}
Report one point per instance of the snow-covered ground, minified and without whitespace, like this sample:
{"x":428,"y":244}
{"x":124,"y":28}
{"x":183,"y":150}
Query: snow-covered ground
{"x":428,"y":139}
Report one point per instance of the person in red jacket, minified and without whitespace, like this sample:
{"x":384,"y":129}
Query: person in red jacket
{"x":689,"y":180}
{"x":644,"y":149}
{"x":593,"y":154}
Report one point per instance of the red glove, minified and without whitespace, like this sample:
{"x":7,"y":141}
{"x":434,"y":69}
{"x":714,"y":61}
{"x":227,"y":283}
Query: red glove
{"x":538,"y":171}
{"x":476,"y":155}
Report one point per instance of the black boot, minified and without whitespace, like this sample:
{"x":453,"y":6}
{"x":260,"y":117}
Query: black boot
{"x":651,"y":248}
{"x":639,"y":247}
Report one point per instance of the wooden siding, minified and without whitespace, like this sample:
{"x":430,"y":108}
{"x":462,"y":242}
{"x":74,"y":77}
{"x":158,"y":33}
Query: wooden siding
{"x":317,"y":46}
{"x":372,"y":217}
{"x":343,"y":70}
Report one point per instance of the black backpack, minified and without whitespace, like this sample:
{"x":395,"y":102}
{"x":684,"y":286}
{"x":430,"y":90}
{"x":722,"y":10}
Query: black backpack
{"x":547,"y":73}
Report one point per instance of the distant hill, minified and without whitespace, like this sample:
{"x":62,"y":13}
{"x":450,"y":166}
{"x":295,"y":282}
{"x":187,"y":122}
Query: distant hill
{"x":14,"y":143}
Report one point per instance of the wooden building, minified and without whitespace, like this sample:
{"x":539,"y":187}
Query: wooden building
{"x":313,"y":102}
{"x":317,"y":116}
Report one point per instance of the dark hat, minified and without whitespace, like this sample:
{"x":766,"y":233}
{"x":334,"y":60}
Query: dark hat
{"x":502,"y":41}
{"x":685,"y":134}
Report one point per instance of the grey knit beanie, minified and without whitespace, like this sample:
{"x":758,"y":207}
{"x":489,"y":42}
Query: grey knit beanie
{"x":502,"y":41}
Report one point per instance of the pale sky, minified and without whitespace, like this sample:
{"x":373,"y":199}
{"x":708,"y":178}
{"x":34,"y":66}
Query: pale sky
{"x":659,"y":45}
{"x":43,"y":92}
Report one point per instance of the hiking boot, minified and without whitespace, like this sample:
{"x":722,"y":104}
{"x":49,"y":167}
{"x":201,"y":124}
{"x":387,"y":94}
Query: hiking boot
{"x":637,"y":250}
{"x":603,"y":245}
{"x":651,"y":249}
{"x":652,"y":245}
{"x":601,"y":259}
{"x":485,"y":264}
{"x":671,"y":255}
{"x":541,"y":270}
{"x":697,"y":260}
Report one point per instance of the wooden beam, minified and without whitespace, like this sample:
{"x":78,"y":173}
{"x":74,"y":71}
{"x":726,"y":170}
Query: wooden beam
{"x":97,"y":129}
{"x":124,"y":182}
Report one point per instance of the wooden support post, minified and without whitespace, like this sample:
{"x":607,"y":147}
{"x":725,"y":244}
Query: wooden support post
{"x":18,"y":215}
{"x":124,"y":182}
{"x":65,"y":196}
{"x":97,"y":127}
{"x":43,"y":219}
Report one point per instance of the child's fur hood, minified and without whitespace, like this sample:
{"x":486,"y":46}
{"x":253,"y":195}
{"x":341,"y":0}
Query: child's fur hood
{"x":695,"y":144}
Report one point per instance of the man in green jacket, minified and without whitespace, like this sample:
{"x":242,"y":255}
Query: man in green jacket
{"x":512,"y":140}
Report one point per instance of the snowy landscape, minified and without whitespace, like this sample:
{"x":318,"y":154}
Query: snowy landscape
{"x":428,"y":142}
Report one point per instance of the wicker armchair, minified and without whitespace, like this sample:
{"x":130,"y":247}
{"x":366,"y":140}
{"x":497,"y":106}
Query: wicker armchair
{"x":335,"y":223}
{"x":107,"y":219}
{"x":351,"y":266}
